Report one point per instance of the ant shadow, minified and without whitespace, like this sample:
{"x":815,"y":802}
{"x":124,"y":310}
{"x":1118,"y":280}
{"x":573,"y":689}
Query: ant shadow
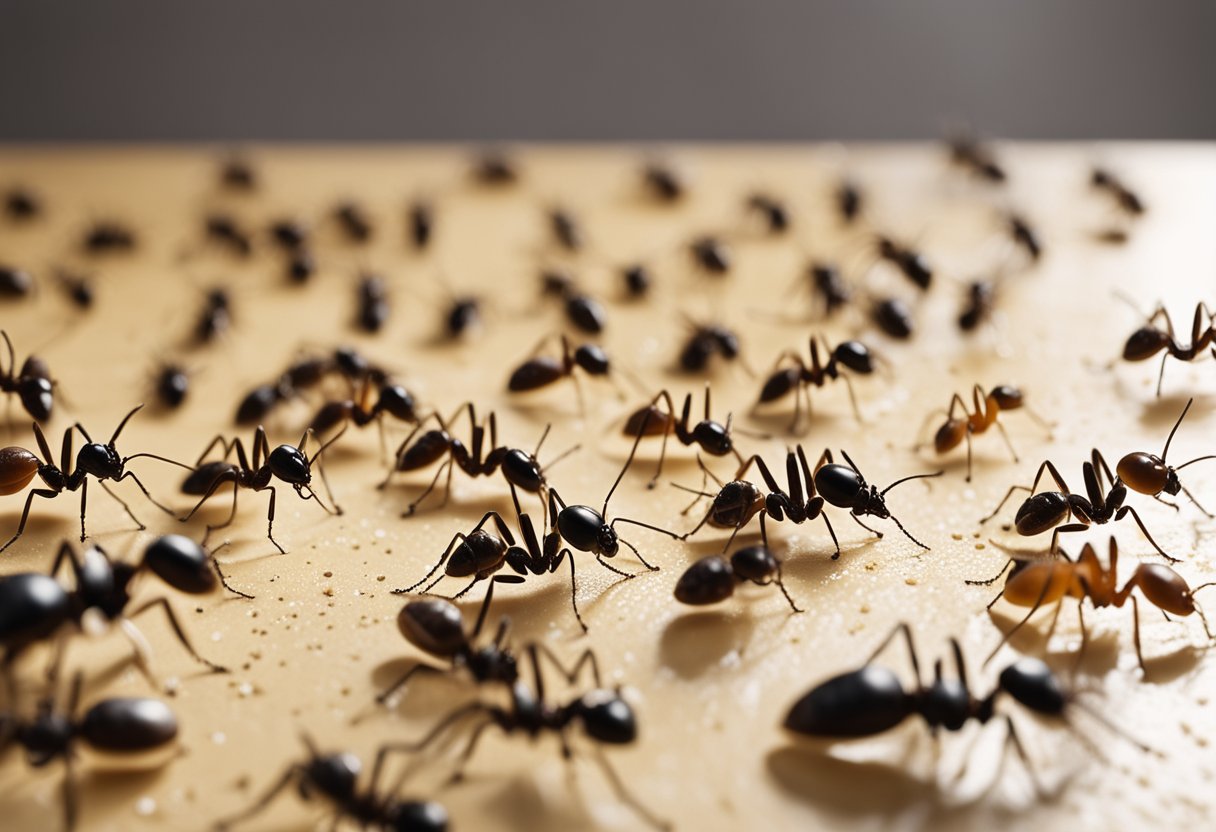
{"x":692,"y":644}
{"x":815,"y":777}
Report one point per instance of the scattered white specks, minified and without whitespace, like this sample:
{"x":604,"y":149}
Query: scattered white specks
{"x":145,"y":806}
{"x":216,"y":635}
{"x":245,"y":689}
{"x":219,"y":738}
{"x":380,"y":534}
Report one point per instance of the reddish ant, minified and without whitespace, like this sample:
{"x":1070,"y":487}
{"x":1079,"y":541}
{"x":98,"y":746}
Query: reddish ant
{"x":1148,"y":474}
{"x":986,"y":410}
{"x":1150,"y":339}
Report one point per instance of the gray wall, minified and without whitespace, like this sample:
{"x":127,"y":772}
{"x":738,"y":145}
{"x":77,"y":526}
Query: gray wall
{"x":630,"y":69}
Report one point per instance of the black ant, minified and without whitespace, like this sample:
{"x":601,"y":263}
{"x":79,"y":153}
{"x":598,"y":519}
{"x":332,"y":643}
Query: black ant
{"x":665,"y":183}
{"x":799,"y":377}
{"x":223,"y":229}
{"x":216,"y":316}
{"x":354,"y":222}
{"x":976,"y":158}
{"x":542,"y":371}
{"x":172,"y":385}
{"x":238,"y":175}
{"x":605,"y":717}
{"x":391,"y":399}
{"x":495,"y":168}
{"x":774,"y":212}
{"x":40,"y":605}
{"x":33,"y":384}
{"x":1150,"y":339}
{"x":1024,"y":236}
{"x":979,"y":302}
{"x":126,"y":726}
{"x":711,"y":255}
{"x":108,"y":237}
{"x":335,"y":779}
{"x":1046,"y":510}
{"x":637,"y":279}
{"x":262,"y":399}
{"x":582,"y":311}
{"x":844,"y":487}
{"x":1124,"y":197}
{"x":907,"y":260}
{"x":14,"y":282}
{"x":373,"y":303}
{"x":102,"y":462}
{"x":828,"y":285}
{"x":77,"y":287}
{"x":482,"y":553}
{"x":704,"y":342}
{"x":462,"y":316}
{"x":421,"y":222}
{"x":893,"y":317}
{"x":873,"y":700}
{"x":287,"y":463}
{"x":566,"y":230}
{"x":849,"y":200}
{"x":713,"y":579}
{"x":22,"y":204}
{"x":290,"y":235}
{"x":712,"y":437}
{"x":1149,"y":474}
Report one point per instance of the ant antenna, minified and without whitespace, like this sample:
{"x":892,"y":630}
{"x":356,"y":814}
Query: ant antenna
{"x":543,"y":437}
{"x":121,"y":424}
{"x":905,"y":479}
{"x":633,"y":451}
{"x":1102,"y":720}
{"x":329,"y":442}
{"x":1174,"y":430}
{"x":901,"y":525}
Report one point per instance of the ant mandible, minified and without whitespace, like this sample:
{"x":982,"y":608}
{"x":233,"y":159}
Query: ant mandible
{"x":1034,"y":583}
{"x":334,"y":777}
{"x":984,"y":415}
{"x":18,"y":467}
{"x":873,"y":700}
{"x":33,"y":384}
{"x":1149,"y":474}
{"x":799,"y":377}
{"x":1048,"y":509}
{"x":287,"y":463}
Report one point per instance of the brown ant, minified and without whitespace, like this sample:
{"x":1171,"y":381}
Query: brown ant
{"x":1149,"y":474}
{"x":420,"y":220}
{"x":986,"y":409}
{"x":712,"y":437}
{"x":637,"y":280}
{"x":1024,"y":236}
{"x":542,"y":371}
{"x":979,"y":301}
{"x":287,"y":463}
{"x":32,"y":384}
{"x":799,"y":377}
{"x":1035,"y":583}
{"x":238,"y":174}
{"x":78,"y":288}
{"x":1150,"y":339}
{"x":495,"y":168}
{"x":19,"y":466}
{"x":713,"y":579}
{"x":1046,"y":510}
{"x":565,"y":228}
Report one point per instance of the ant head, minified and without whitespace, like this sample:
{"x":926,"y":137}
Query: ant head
{"x":1008,"y":397}
{"x":100,"y":461}
{"x":416,"y":816}
{"x":181,"y":563}
{"x":592,"y":359}
{"x":713,"y":438}
{"x":397,"y":402}
{"x":47,"y":736}
{"x":607,"y":717}
{"x":288,"y":463}
{"x":333,"y":775}
{"x":1031,"y":682}
{"x":607,"y":541}
{"x":433,"y":625}
{"x":1144,"y":343}
{"x":854,"y":355}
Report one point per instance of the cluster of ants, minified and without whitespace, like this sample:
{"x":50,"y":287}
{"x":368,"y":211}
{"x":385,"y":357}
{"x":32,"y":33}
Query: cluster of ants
{"x":347,"y":390}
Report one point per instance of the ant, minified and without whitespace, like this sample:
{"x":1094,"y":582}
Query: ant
{"x":566,"y":229}
{"x":14,"y":282}
{"x":238,"y":175}
{"x":22,"y":204}
{"x":496,"y":169}
{"x":1024,"y":236}
{"x":852,"y":355}
{"x":849,"y":201}
{"x":303,"y":374}
{"x":18,"y":467}
{"x":77,"y":287}
{"x":421,"y":222}
{"x":873,"y":700}
{"x":335,"y":779}
{"x":844,"y":487}
{"x":705,"y":341}
{"x":39,"y":605}
{"x":290,"y":235}
{"x":354,"y":222}
{"x":976,"y":158}
{"x":637,"y":280}
{"x":714,"y":578}
{"x":541,"y":371}
{"x":979,"y":301}
{"x":172,"y":385}
{"x":216,"y":316}
{"x":482,"y":553}
{"x":712,"y":437}
{"x":908,"y":261}
{"x":986,"y":409}
{"x":829,"y":286}
{"x":287,"y":463}
{"x":711,"y":255}
{"x":126,"y":726}
{"x":1149,"y":339}
{"x":1126,"y":199}
{"x":223,"y":229}
{"x":33,"y":384}
{"x":1039,"y":582}
{"x":463,"y":316}
{"x":773,"y":211}
{"x":665,"y":183}
{"x":392,"y":399}
{"x":893,"y":317}
{"x":1148,"y":474}
{"x":373,"y":303}
{"x":1048,"y":509}
{"x":606,"y":718}
{"x":107,"y":237}
{"x":582,"y":311}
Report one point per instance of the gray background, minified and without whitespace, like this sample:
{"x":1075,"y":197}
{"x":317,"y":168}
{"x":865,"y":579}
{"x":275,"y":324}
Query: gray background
{"x":764,"y":69}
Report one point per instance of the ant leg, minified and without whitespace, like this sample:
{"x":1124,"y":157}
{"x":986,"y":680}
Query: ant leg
{"x":895,"y":520}
{"x":626,"y":797}
{"x":1008,"y":444}
{"x":325,"y":480}
{"x":1119,"y":515}
{"x":1136,"y":634}
{"x":215,"y":564}
{"x":84,"y":493}
{"x":262,"y":802}
{"x":231,"y":514}
{"x":270,"y":519}
{"x":388,"y":692}
{"x":1161,"y":374}
{"x":832,"y":532}
{"x":459,"y":536}
{"x":465,"y":591}
{"x":25,"y":514}
{"x":71,"y":801}
{"x":670,"y":534}
{"x":1195,"y":502}
{"x":118,"y":500}
{"x":587,"y":657}
{"x":1001,"y":504}
{"x":163,"y":603}
{"x":900,"y":628}
{"x":446,"y":466}
{"x":131,"y":476}
{"x":1038,"y":602}
{"x":1166,"y":502}
{"x":638,"y":555}
{"x":993,"y":579}
{"x":781,"y":585}
{"x":467,"y":754}
{"x":700,"y":494}
{"x":612,"y":568}
{"x":1012,"y":738}
{"x":218,"y":440}
{"x":1076,"y":666}
{"x":852,"y":398}
{"x":857,"y":520}
{"x":1066,"y":529}
{"x":211,"y":489}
